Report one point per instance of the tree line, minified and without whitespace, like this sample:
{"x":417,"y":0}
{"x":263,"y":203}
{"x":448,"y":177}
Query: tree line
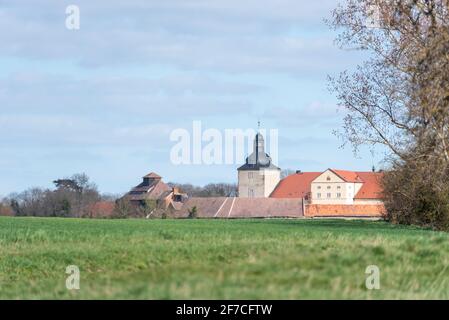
{"x":72,"y":197}
{"x":78,"y":197}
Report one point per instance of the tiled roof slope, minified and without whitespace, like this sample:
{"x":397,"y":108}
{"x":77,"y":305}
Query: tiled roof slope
{"x":371,"y":188}
{"x":154,"y":191}
{"x":298,"y":185}
{"x":295,"y":185}
{"x":221,"y":207}
{"x":153,"y":176}
{"x":331,"y":210}
{"x":152,"y":187}
{"x":348,"y":176}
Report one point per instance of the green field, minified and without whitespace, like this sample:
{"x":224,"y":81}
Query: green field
{"x":224,"y":259}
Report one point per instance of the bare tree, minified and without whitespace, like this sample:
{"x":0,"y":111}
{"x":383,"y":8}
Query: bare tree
{"x":399,"y":98}
{"x":71,"y":198}
{"x":79,"y":191}
{"x":123,"y":208}
{"x":147,"y":208}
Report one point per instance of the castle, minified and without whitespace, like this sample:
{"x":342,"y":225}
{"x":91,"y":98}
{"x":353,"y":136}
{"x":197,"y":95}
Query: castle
{"x":263,"y":194}
{"x":260,"y":178}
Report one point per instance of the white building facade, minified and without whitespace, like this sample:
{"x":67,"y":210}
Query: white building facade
{"x":333,"y":188}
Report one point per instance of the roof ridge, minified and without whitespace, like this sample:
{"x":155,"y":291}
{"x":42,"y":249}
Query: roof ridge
{"x":152,"y":175}
{"x":339,"y":172}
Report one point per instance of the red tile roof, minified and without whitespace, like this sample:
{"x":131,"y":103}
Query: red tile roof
{"x":348,"y":176}
{"x":101,"y":209}
{"x":371,"y":188}
{"x":6,"y":210}
{"x":298,"y":185}
{"x":153,"y":175}
{"x":295,"y":186}
{"x":345,"y":210}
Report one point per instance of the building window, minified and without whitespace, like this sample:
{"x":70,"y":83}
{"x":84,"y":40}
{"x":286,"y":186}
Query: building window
{"x":338,"y":195}
{"x":250,"y":175}
{"x":319,"y":187}
{"x":318,"y":195}
{"x":251,"y":193}
{"x":328,"y":195}
{"x":328,"y":178}
{"x":328,"y":187}
{"x":338,"y":187}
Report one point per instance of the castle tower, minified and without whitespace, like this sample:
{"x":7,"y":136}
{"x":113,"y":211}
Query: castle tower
{"x":258,"y":176}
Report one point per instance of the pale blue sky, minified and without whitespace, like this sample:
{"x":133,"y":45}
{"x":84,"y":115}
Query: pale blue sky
{"x":104,"y":99}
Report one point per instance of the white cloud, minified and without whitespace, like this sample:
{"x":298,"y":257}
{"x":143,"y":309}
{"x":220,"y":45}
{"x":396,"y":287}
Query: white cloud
{"x":73,"y":100}
{"x":161,"y":98}
{"x":225,"y":35}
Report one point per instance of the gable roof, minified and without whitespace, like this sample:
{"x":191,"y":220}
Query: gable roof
{"x":371,"y":188}
{"x":347,"y":176}
{"x":295,"y":185}
{"x":154,"y":191}
{"x":152,"y":187}
{"x":153,"y":175}
{"x":299,"y":185}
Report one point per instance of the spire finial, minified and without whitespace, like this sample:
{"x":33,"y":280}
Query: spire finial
{"x":258,"y":125}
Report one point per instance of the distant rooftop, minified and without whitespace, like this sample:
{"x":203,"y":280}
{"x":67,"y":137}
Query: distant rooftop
{"x":153,"y":176}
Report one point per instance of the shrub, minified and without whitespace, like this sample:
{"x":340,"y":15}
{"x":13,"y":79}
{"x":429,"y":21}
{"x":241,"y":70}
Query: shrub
{"x":417,"y":193}
{"x":123,"y":209}
{"x":193,"y":213}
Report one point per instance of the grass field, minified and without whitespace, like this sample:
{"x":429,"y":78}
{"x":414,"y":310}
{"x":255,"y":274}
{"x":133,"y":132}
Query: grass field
{"x":224,"y":259}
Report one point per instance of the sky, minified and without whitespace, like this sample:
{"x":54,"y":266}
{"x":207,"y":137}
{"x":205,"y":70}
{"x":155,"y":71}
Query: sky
{"x":105,"y":98}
